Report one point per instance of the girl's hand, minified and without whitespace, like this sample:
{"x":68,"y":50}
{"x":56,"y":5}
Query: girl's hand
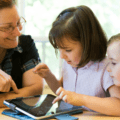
{"x":42,"y":70}
{"x":6,"y":82}
{"x":66,"y":96}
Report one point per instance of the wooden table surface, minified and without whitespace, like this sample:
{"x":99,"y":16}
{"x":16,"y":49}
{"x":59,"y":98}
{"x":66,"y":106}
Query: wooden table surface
{"x":86,"y":115}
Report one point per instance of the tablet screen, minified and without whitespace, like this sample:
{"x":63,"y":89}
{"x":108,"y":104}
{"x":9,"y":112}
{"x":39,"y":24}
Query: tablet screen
{"x":41,"y":105}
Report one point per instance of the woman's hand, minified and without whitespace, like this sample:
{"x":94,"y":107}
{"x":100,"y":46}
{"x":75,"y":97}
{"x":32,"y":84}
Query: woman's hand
{"x":6,"y":82}
{"x":42,"y":70}
{"x":67,"y":96}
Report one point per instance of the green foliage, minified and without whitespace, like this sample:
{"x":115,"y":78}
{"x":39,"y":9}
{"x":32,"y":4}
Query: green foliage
{"x":41,"y":13}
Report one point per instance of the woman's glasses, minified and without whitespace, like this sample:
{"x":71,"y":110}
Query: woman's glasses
{"x":10,"y":28}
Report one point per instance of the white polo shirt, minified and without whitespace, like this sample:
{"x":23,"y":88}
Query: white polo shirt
{"x":93,"y":79}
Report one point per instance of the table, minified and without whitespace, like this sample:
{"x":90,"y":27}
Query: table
{"x":86,"y":115}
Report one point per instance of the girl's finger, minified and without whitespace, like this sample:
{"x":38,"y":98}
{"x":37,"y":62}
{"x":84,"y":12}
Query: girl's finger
{"x":62,"y":94}
{"x":56,"y":99}
{"x":42,"y":71}
{"x":65,"y":98}
{"x":40,"y":66}
{"x":59,"y":90}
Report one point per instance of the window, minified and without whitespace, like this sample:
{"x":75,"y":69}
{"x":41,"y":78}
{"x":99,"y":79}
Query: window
{"x":41,"y":13}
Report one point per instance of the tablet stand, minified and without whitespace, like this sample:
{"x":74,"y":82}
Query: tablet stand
{"x":21,"y":116}
{"x":66,"y":117}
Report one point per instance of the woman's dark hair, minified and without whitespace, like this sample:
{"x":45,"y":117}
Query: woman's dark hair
{"x":113,"y":39}
{"x":80,"y":24}
{"x":6,"y":3}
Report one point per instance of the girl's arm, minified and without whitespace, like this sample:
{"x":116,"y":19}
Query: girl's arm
{"x":43,"y":70}
{"x":108,"y":105}
{"x":53,"y":83}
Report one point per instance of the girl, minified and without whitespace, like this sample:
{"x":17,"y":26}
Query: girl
{"x":113,"y":52}
{"x":78,"y":36}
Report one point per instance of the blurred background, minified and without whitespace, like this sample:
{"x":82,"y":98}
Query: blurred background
{"x":40,"y":14}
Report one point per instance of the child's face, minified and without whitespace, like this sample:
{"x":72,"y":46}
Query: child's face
{"x":71,"y":52}
{"x":113,"y":52}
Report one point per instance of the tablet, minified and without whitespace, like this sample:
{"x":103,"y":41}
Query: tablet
{"x":40,"y":106}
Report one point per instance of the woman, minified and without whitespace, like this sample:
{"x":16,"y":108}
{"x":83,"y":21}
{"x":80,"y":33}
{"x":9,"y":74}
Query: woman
{"x":17,"y":57}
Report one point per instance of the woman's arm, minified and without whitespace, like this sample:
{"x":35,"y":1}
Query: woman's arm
{"x":32,"y":85}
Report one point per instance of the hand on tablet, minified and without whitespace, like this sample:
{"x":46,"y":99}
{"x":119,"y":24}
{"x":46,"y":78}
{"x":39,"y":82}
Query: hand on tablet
{"x":66,"y":96}
{"x":6,"y":82}
{"x":42,"y":69}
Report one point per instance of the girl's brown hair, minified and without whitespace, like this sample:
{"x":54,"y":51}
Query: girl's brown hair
{"x":80,"y":24}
